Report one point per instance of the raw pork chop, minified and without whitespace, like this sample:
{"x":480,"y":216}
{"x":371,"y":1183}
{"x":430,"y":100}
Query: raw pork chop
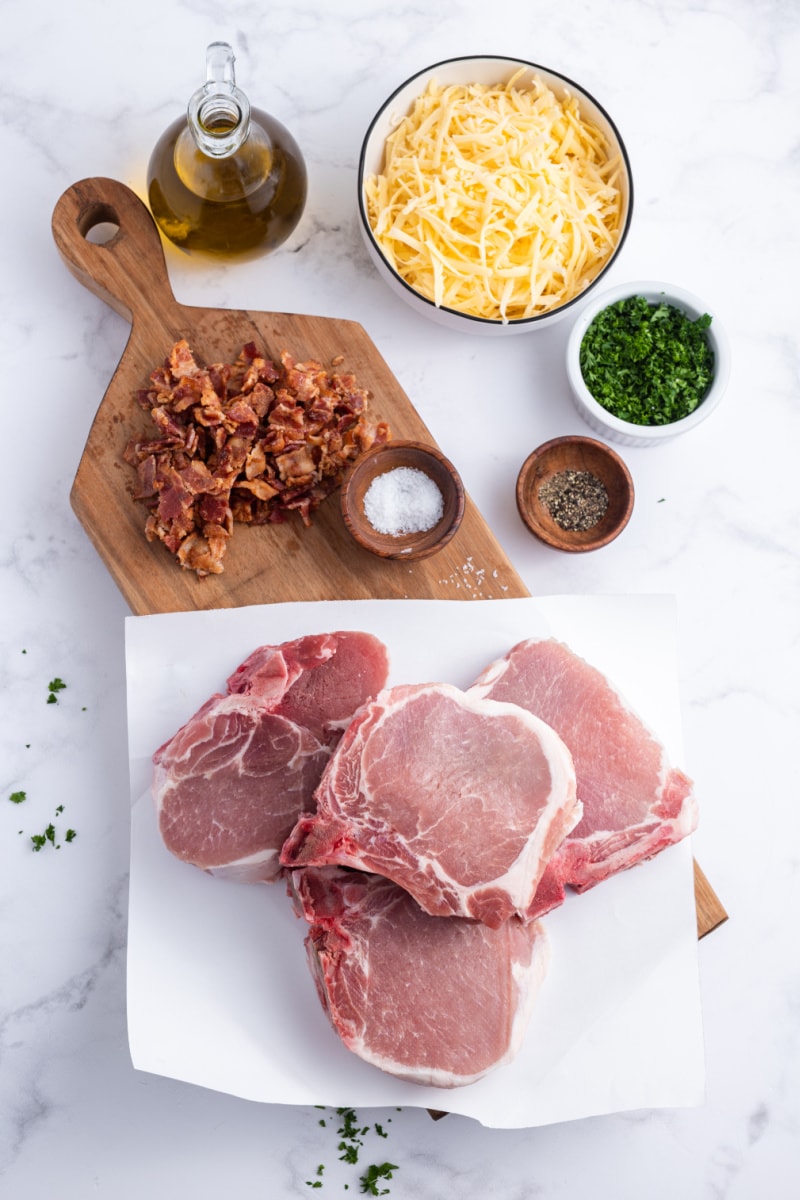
{"x":634,"y":803}
{"x":231,"y":783}
{"x":460,"y":800}
{"x":316,"y":681}
{"x":437,"y":1002}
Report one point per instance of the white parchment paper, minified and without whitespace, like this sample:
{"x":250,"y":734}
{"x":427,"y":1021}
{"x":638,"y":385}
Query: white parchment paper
{"x":219,"y":993}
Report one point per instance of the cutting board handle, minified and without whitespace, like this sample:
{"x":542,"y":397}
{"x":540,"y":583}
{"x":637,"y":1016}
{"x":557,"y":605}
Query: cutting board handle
{"x":128,"y":271}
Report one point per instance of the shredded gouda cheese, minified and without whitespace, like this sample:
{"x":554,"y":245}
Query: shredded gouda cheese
{"x":497,"y":201}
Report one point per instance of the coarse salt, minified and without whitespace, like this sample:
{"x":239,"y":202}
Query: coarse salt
{"x":403,"y":500}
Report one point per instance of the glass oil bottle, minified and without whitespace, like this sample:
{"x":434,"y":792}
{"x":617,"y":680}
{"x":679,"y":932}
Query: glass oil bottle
{"x":226,"y":180}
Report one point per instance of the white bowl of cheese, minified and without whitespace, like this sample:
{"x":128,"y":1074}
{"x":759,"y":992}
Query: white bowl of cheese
{"x":493,"y":194}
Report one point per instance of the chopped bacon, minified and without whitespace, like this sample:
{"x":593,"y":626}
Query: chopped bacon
{"x":181,"y":360}
{"x":248,"y":441}
{"x":296,"y":464}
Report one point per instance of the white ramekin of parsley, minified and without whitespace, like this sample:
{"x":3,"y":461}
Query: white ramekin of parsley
{"x":646,"y":361}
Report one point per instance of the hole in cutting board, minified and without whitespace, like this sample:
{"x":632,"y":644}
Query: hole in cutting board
{"x":99,"y":224}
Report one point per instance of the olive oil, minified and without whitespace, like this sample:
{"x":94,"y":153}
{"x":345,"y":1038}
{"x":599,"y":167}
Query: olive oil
{"x":226,"y":180}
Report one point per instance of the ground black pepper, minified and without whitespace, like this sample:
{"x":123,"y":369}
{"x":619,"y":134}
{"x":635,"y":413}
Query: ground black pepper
{"x":576,"y":500}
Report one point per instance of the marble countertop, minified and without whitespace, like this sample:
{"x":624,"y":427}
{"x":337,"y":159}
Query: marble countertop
{"x":706,"y":97}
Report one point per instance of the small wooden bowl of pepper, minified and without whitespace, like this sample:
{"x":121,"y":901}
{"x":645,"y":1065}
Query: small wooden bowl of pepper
{"x":403,"y":500}
{"x":575,"y":493}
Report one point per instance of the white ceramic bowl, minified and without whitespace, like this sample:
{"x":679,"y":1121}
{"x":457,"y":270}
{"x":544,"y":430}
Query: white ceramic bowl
{"x":481,"y":70}
{"x":624,"y":432}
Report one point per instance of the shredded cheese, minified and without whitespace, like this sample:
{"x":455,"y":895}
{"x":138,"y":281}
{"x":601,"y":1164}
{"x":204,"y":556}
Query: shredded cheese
{"x":496,"y":201}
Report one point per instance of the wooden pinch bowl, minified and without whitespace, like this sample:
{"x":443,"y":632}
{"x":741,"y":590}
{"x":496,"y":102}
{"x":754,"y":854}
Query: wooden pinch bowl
{"x":575,"y":454}
{"x":387,"y":457}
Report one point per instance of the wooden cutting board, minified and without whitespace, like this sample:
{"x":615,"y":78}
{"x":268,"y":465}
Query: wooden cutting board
{"x":268,"y":563}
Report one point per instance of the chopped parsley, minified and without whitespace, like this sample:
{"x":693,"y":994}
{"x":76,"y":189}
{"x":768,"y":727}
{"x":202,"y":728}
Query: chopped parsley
{"x":316,"y":1183}
{"x":649,"y":364}
{"x":54,"y":687}
{"x":50,"y":835}
{"x":351,"y":1134}
{"x":41,"y":839}
{"x":369,"y":1180}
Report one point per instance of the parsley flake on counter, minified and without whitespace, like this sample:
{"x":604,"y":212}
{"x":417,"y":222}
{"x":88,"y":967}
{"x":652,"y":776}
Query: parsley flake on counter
{"x":40,"y":840}
{"x":54,"y":687}
{"x":649,"y":364}
{"x":369,"y":1180}
{"x":351,"y":1134}
{"x":18,"y":797}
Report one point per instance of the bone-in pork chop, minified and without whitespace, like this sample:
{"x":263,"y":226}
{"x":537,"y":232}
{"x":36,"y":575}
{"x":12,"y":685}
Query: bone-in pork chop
{"x":460,"y":800}
{"x":317,"y":681}
{"x":230,"y":784}
{"x":437,"y":1001}
{"x":634,"y":803}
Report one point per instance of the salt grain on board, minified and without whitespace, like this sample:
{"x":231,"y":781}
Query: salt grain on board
{"x":472,"y":578}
